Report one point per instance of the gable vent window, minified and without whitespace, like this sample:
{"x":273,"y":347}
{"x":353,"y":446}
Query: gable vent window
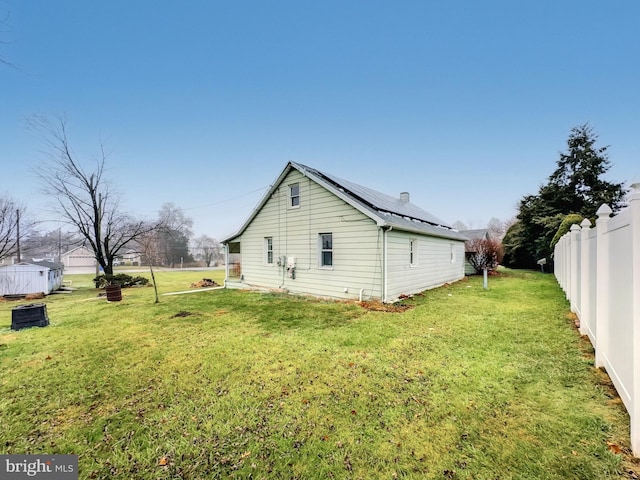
{"x":294,"y":195}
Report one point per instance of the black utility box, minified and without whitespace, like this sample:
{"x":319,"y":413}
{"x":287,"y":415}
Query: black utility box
{"x":33,"y":315}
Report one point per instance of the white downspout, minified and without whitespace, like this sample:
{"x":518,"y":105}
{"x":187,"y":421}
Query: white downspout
{"x":226,"y":263}
{"x":385,"y":263}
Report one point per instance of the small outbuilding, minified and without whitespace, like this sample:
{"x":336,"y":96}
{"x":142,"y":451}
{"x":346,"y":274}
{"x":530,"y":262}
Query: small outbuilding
{"x":26,"y":278}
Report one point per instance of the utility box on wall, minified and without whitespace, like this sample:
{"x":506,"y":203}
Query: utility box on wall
{"x":291,"y":267}
{"x":33,"y":315}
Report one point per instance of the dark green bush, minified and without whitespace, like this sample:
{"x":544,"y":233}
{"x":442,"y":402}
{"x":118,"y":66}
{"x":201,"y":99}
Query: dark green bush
{"x":121,"y":279}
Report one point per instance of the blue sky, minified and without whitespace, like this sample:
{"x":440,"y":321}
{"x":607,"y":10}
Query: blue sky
{"x":464,"y":104}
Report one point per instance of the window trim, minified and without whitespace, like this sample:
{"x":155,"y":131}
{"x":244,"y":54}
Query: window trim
{"x":293,"y":197}
{"x":268,"y":242}
{"x":413,"y":252}
{"x":322,"y":251}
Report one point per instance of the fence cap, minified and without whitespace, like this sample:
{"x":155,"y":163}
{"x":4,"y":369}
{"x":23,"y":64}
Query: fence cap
{"x":604,"y":210}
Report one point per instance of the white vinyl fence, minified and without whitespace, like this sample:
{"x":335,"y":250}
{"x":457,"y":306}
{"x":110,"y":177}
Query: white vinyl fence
{"x":599,"y":270}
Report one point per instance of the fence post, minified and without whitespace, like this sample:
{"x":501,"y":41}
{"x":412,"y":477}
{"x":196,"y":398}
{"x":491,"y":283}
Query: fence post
{"x":585,"y":270}
{"x":574,"y":283}
{"x":634,"y":414}
{"x":602,"y":284}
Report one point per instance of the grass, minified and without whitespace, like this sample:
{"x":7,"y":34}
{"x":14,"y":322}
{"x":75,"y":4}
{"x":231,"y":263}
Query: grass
{"x":467,"y":384}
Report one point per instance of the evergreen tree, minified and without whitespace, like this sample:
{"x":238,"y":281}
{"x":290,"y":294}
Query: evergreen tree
{"x":576,"y":186}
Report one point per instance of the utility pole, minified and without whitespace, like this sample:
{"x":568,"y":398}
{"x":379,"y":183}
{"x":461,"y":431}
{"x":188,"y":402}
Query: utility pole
{"x":18,"y":234}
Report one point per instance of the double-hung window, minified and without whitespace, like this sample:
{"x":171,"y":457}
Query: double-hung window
{"x":413,"y":252}
{"x":268,"y":250}
{"x":294,"y":195}
{"x":326,"y":249}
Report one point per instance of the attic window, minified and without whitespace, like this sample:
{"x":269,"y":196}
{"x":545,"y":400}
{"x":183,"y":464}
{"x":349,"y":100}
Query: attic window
{"x":294,"y":195}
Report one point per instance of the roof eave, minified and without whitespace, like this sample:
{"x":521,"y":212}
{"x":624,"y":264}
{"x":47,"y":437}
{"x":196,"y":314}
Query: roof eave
{"x":274,"y":186}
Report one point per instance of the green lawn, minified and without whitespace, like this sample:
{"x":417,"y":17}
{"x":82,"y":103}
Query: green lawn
{"x":468,"y":384}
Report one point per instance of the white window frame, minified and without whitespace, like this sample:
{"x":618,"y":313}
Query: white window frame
{"x":322,"y":250}
{"x":413,"y":252}
{"x":453,"y":253}
{"x":268,"y":249}
{"x":294,"y":198}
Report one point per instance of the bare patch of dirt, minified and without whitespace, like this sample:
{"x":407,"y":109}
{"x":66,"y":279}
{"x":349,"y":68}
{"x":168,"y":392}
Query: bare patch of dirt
{"x":34,"y":296}
{"x":182,"y":313}
{"x":374,"y":306}
{"x":205,"y":282}
{"x":573,"y":318}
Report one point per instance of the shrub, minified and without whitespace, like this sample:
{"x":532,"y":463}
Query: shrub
{"x":484,"y":253}
{"x":121,"y":279}
{"x":565,"y":226}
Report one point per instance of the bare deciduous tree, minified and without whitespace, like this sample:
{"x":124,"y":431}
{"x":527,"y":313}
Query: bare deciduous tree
{"x":84,"y":196}
{"x":208,"y":249}
{"x":12,"y":229}
{"x":148,"y":248}
{"x":497,"y":228}
{"x":485,"y":253}
{"x":173,"y":234}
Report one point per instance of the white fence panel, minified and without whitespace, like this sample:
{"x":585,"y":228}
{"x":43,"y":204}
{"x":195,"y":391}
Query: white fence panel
{"x":599,"y":270}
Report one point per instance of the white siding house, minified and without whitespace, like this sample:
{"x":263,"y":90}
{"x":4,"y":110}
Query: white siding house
{"x":314,"y":233}
{"x":30,"y":277}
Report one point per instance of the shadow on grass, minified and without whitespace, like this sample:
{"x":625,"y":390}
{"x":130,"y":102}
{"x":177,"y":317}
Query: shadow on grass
{"x":275,"y":311}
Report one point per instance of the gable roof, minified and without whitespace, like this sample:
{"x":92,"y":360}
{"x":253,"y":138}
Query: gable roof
{"x":75,"y":249}
{"x":44,"y":264}
{"x":480,"y":233}
{"x":385,"y":210}
{"x":477,"y":234}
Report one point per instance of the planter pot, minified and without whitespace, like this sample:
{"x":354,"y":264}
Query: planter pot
{"x":114,"y":293}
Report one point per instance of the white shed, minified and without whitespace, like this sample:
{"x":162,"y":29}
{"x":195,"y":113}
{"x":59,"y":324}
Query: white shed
{"x":30,"y":277}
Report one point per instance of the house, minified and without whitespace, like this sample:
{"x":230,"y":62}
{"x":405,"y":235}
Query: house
{"x":469,"y":249}
{"x":314,"y":233}
{"x":131,"y":258}
{"x":79,"y":259}
{"x":30,"y":277}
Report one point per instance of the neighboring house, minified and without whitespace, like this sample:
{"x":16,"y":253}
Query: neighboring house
{"x":130,"y":258}
{"x":314,"y":233}
{"x":78,"y":258}
{"x":30,"y":277}
{"x":479,"y":234}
